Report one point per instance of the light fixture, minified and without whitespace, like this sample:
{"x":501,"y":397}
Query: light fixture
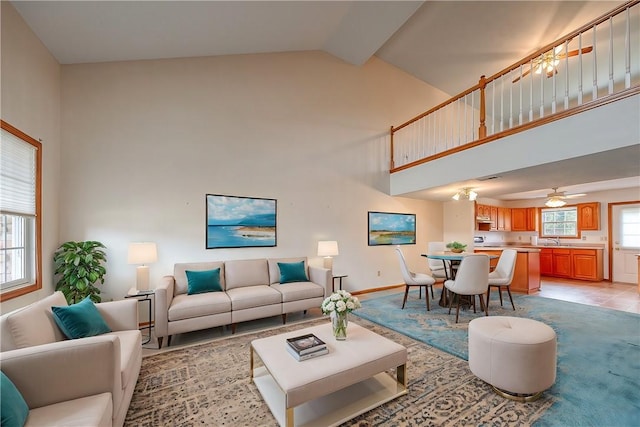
{"x":328,"y":249}
{"x":142,"y":253}
{"x":465,"y":193}
{"x":554,"y":202}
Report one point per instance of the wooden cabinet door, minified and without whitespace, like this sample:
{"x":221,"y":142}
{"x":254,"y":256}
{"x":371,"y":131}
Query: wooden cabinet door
{"x":500,"y":220}
{"x":493,"y":214}
{"x":531,"y":219}
{"x":562,"y":262}
{"x":546,"y":262}
{"x":587,"y":264}
{"x":519,"y":219}
{"x":507,"y":219}
{"x":589,"y":216}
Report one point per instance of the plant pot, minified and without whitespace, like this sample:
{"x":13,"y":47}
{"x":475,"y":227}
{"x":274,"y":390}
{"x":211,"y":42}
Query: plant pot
{"x":457,"y":251}
{"x":339,"y":322}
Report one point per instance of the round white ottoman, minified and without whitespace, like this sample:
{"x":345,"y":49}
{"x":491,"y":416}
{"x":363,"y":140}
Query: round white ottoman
{"x":516,"y":356}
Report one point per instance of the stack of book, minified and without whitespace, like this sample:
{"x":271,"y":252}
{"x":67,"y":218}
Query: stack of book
{"x":306,"y":347}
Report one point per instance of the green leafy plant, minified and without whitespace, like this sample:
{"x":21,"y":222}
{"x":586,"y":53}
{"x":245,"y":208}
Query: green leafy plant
{"x":456,"y":246}
{"x":79,"y":266}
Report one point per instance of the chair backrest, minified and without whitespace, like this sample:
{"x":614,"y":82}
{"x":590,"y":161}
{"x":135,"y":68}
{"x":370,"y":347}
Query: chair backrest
{"x":406,"y":274}
{"x":507,"y":264}
{"x":435,"y":264}
{"x":472,"y":277}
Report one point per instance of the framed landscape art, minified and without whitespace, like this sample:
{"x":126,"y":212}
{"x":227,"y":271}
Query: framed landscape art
{"x":240,"y":222}
{"x":392,"y":229}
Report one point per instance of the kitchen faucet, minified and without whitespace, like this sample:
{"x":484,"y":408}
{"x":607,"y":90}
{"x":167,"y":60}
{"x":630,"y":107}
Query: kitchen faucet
{"x":556,"y":240}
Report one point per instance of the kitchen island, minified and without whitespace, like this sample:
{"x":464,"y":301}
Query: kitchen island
{"x":526,"y":278}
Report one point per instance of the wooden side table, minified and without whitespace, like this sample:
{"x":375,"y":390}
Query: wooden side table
{"x":339,"y":277}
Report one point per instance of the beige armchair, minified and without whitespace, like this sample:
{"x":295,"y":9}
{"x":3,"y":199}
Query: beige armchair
{"x":52,"y":372}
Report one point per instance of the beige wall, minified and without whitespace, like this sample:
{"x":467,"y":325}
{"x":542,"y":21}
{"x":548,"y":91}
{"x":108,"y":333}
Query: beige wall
{"x":30,"y":101}
{"x":144,"y":141}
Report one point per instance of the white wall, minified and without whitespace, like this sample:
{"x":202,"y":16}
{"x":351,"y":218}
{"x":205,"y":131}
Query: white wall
{"x":30,"y":101}
{"x":144,"y":141}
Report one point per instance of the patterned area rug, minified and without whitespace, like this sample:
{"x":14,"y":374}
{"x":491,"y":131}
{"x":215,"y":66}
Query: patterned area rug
{"x":209,"y":385}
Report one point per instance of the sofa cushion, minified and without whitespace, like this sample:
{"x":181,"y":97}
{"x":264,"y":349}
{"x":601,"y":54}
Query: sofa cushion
{"x":189,"y":306}
{"x":292,"y":272}
{"x":130,"y":350}
{"x":13,"y":409}
{"x":96,"y":410}
{"x":199,"y":282}
{"x":253,"y":296}
{"x":180,"y":275}
{"x":34,"y":324}
{"x":246,"y":272}
{"x":80,"y":320}
{"x":297,"y":291}
{"x":274,"y":269}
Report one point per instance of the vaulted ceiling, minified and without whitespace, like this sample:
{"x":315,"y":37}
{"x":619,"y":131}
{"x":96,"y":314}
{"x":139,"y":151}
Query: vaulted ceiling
{"x":447,"y":44}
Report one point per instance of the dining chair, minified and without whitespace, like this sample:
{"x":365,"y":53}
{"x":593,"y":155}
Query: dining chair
{"x":435,"y":265}
{"x":415,"y":279}
{"x":471,"y":279}
{"x":502,"y":275}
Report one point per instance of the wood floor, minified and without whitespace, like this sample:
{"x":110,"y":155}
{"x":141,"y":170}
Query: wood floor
{"x":617,"y":296}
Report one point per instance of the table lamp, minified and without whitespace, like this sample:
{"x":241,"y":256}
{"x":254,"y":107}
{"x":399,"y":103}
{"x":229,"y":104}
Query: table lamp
{"x":142,"y":253}
{"x":328,"y":249}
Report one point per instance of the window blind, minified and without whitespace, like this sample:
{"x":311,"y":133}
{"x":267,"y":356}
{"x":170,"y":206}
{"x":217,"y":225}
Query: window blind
{"x":17,"y":175}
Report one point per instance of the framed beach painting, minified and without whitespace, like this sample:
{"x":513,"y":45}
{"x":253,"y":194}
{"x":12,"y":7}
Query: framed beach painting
{"x":240,"y":222}
{"x":392,"y":229}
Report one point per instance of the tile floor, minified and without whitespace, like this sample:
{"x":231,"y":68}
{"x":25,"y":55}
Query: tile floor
{"x":617,"y":296}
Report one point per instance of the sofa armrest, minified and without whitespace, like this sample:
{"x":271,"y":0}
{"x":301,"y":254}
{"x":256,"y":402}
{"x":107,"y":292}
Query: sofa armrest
{"x":65,"y":370}
{"x":322,"y":277}
{"x":120,"y":315}
{"x":164,"y":296}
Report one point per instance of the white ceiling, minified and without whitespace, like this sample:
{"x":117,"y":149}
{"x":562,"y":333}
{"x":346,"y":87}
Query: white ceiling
{"x":447,"y":44}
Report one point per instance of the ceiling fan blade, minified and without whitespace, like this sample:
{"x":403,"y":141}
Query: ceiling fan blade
{"x":575,"y":52}
{"x":575,"y":195}
{"x":523,"y":75}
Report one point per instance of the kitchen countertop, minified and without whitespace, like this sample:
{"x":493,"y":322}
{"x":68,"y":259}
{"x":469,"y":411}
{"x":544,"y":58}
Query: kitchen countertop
{"x":532,"y":248}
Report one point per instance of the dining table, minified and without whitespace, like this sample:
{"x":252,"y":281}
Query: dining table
{"x":451,"y":260}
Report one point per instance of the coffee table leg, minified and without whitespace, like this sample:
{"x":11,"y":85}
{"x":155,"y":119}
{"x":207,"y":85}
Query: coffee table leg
{"x":401,"y":375}
{"x":289,"y":417}
{"x":251,"y":361}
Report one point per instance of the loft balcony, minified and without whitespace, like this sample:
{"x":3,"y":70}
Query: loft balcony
{"x":578,"y":96}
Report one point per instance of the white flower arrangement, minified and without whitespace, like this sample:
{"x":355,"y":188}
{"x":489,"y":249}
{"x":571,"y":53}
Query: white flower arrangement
{"x":340,"y":302}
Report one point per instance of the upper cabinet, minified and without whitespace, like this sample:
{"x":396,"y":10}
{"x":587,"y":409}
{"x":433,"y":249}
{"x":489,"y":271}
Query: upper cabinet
{"x":523,"y":219}
{"x":589,"y":216}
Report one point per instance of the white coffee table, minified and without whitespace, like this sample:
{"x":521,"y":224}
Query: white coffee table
{"x":333,"y":388}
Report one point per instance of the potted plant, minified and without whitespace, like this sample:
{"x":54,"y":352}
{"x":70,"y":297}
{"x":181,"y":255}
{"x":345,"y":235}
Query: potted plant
{"x":79,"y":267}
{"x":456,"y":247}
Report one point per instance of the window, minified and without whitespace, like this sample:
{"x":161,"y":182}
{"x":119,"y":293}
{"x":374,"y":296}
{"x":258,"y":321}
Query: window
{"x":630,"y":224}
{"x":20,"y":221}
{"x":560,"y":222}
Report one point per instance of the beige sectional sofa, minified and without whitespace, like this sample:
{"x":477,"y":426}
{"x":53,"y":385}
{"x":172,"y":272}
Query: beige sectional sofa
{"x":251,"y":289}
{"x":80,"y":382}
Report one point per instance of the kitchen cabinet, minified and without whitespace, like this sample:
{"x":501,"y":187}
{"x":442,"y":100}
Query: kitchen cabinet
{"x":504,"y":219}
{"x":483,"y":211}
{"x":562,"y":262}
{"x":546,"y":262}
{"x":523,"y":219}
{"x":589,"y":216}
{"x":493,"y":214}
{"x":586,"y":264}
{"x":579,"y":264}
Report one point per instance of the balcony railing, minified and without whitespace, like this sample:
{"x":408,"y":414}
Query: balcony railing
{"x":596,"y":64}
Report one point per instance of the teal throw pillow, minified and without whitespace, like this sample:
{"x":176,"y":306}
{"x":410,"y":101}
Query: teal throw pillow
{"x":14,"y":410}
{"x":292,"y":272}
{"x":80,"y":320}
{"x":199,"y":282}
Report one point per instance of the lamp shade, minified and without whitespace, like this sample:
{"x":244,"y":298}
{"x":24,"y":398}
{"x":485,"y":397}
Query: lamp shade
{"x":327,"y":248}
{"x":142,"y":253}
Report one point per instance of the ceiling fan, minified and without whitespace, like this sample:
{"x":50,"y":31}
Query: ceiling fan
{"x":556,"y":198}
{"x":548,"y":61}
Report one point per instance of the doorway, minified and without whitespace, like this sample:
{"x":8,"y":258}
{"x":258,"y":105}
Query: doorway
{"x":624,"y":241}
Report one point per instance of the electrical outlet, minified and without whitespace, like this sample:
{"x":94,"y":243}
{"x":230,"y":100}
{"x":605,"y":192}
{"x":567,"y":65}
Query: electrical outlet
{"x":378,"y":273}
{"x":519,"y":237}
{"x":584,"y":237}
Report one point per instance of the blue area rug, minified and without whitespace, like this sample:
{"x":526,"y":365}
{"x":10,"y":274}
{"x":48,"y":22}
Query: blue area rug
{"x":598,"y":374}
